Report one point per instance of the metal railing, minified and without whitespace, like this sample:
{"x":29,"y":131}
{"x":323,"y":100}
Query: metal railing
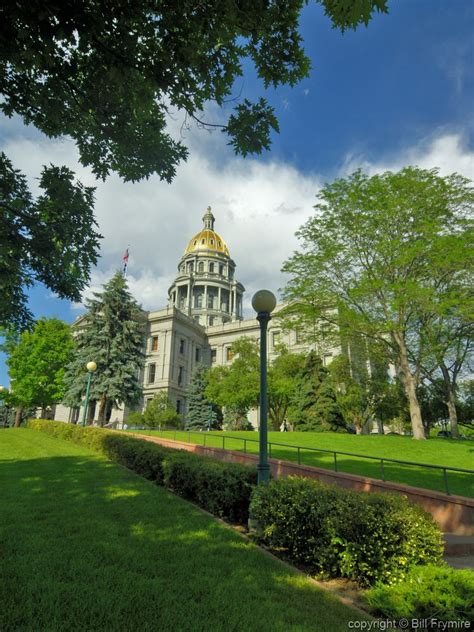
{"x":382,"y":460}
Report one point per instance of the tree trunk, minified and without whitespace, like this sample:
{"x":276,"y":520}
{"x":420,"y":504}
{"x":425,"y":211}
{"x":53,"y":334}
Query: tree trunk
{"x":450,"y":402}
{"x":43,"y":412}
{"x":102,"y":409}
{"x":18,"y":413}
{"x":380,"y":427}
{"x":409,"y":384}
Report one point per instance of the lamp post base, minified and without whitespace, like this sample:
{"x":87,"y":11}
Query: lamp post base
{"x":263,"y":473}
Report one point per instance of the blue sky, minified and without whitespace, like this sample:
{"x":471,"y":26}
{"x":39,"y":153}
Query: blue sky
{"x":397,"y":92}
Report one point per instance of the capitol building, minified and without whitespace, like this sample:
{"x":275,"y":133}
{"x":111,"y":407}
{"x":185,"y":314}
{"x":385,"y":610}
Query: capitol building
{"x":201,"y":322}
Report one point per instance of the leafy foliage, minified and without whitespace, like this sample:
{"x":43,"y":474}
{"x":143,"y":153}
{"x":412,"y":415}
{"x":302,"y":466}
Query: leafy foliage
{"x":112,"y":79}
{"x":202,"y":414}
{"x":110,"y":334}
{"x":382,"y":257}
{"x":440,"y":592}
{"x":342,"y":533}
{"x":37,"y":363}
{"x":51,"y":239}
{"x":161,"y":412}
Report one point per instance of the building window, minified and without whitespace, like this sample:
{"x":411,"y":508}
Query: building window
{"x":275,"y":338}
{"x":197,"y":354}
{"x":229,"y":354}
{"x":151,"y":373}
{"x":180,"y":375}
{"x":211,"y":267}
{"x":154,"y":343}
{"x":178,"y":406}
{"x":201,"y":266}
{"x":212,"y":242}
{"x":221,"y":269}
{"x":203,"y":241}
{"x":182,"y":345}
{"x":213,"y":355}
{"x":198,"y":301}
{"x":211,"y":320}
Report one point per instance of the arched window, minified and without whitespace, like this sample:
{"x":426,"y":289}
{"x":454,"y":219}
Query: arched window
{"x":200,"y":266}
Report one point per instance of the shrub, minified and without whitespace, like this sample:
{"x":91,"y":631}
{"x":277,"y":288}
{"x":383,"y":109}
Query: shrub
{"x":223,"y":489}
{"x":342,"y":533}
{"x":440,"y":592}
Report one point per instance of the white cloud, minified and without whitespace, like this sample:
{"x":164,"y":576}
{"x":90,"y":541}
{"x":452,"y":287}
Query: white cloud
{"x":445,"y":151}
{"x":258,"y":207}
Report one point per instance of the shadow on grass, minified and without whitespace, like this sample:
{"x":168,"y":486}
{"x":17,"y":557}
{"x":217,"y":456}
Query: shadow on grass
{"x":87,"y":545}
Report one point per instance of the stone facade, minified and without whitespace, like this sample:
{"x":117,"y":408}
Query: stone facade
{"x":201,"y":322}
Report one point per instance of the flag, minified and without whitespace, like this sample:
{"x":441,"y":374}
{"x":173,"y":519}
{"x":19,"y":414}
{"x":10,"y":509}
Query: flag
{"x":125,"y":261}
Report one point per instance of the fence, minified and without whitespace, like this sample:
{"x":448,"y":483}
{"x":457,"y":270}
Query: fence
{"x":382,"y":460}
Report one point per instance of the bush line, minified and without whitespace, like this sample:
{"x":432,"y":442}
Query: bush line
{"x":223,"y":489}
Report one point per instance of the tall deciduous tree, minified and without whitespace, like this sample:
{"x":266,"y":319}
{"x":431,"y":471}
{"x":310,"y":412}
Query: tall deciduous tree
{"x":111,"y":334}
{"x":37,"y":363}
{"x":378,"y":249}
{"x":202,"y":414}
{"x":111,"y":76}
{"x":51,"y":239}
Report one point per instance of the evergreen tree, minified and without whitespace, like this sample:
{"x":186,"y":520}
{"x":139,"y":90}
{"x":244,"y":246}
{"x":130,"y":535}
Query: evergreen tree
{"x":202,"y":414}
{"x":112,"y":335}
{"x":315,"y":406}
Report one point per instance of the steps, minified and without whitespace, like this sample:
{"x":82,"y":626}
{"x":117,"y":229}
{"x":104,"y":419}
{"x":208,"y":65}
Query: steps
{"x":459,"y":550}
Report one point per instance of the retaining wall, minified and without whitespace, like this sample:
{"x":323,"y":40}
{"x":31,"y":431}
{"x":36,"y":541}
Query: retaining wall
{"x":454,"y":514}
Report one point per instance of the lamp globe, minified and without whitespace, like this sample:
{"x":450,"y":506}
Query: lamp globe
{"x":264,"y":301}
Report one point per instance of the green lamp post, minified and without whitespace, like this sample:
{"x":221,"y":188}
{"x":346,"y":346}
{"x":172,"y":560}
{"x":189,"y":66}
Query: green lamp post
{"x":91,"y":368}
{"x":264,"y":303}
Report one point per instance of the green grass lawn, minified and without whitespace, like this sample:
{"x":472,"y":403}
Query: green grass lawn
{"x":87,"y":545}
{"x":444,"y":452}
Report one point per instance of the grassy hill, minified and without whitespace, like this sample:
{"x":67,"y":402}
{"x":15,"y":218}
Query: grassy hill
{"x":87,"y":545}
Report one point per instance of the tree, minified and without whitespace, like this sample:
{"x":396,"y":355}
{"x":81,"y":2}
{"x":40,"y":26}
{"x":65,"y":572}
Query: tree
{"x":161,"y":412}
{"x":283,"y":374}
{"x":202,"y":414}
{"x":314,"y":406}
{"x":37,"y":363}
{"x":449,"y":340}
{"x":112,"y":77}
{"x":111,"y":334}
{"x":376,"y":253}
{"x":236,"y":387}
{"x":50,"y":239}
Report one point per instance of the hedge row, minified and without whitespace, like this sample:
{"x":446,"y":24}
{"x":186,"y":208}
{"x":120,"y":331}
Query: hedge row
{"x":342,"y":533}
{"x":223,"y":489}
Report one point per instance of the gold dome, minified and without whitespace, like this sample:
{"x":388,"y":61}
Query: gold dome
{"x":207,"y":240}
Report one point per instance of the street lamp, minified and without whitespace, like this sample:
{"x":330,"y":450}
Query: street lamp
{"x":263,"y":303}
{"x":91,"y":367}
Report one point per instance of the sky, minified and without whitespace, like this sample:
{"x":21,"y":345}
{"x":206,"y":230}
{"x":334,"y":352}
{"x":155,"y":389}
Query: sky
{"x":398,"y":92}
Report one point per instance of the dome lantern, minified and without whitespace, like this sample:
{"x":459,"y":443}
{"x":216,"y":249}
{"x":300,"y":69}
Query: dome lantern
{"x":208,"y":219}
